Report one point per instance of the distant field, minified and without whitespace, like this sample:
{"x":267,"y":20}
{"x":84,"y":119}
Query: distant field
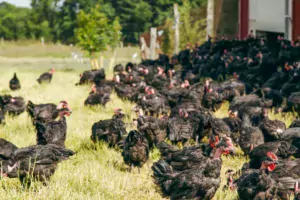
{"x":37,"y":50}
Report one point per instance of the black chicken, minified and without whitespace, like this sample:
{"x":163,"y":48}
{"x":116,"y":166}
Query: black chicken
{"x":14,"y":83}
{"x":99,"y":76}
{"x":181,"y":128}
{"x":2,"y":117}
{"x":54,"y":132}
{"x":12,"y":105}
{"x":212,"y":100}
{"x":273,"y":180}
{"x":295,"y":123}
{"x":44,"y":113}
{"x":235,"y":124}
{"x":251,"y":105}
{"x":105,"y":87}
{"x":135,"y":149}
{"x":36,"y":162}
{"x":97,"y":99}
{"x":46,"y":77}
{"x":219,"y":127}
{"x":153,"y":103}
{"x":7,"y":149}
{"x":257,"y":183}
{"x":86,"y":77}
{"x":201,"y":181}
{"x":271,"y":128}
{"x":124,"y":91}
{"x":154,"y":129}
{"x":231,"y":88}
{"x":250,"y":136}
{"x":110,"y":130}
{"x":166,"y":151}
{"x":292,"y":135}
{"x":192,"y":157}
{"x":282,"y":149}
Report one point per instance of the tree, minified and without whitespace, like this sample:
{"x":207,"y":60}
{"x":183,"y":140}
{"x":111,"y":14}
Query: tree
{"x":67,"y":17}
{"x":192,"y":27}
{"x":95,"y":32}
{"x":44,"y":16}
{"x":13,"y":21}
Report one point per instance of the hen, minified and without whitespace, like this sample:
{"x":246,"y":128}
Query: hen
{"x":250,"y":136}
{"x":110,"y":130}
{"x":135,"y":149}
{"x":36,"y":162}
{"x":97,"y":99}
{"x":12,"y":105}
{"x":200,"y":181}
{"x":14,"y":83}
{"x":282,"y":149}
{"x":46,"y":77}
{"x":54,"y":132}
{"x":154,"y":129}
{"x":181,"y":128}
{"x":271,"y":128}
{"x":7,"y":149}
{"x":44,"y":113}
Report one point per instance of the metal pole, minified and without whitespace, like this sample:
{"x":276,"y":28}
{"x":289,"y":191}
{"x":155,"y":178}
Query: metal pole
{"x":287,"y":20}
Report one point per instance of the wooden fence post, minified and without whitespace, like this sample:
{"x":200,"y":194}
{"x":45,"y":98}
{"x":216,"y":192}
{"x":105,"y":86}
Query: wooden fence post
{"x":210,"y":18}
{"x":177,"y":22}
{"x":144,"y":49}
{"x":153,"y":43}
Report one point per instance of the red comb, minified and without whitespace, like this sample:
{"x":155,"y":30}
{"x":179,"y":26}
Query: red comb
{"x":217,"y":139}
{"x":272,"y":155}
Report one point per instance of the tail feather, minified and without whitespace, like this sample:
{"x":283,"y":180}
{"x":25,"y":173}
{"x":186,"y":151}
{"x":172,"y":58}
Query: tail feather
{"x":40,"y":129}
{"x":163,"y":175}
{"x":166,"y":149}
{"x":162,"y":168}
{"x":288,"y":182}
{"x":30,"y":109}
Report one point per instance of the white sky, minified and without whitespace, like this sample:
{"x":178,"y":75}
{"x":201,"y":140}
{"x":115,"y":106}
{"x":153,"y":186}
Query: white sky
{"x":23,"y":3}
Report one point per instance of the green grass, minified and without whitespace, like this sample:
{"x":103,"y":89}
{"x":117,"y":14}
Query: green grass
{"x":95,"y":172}
{"x":37,"y":50}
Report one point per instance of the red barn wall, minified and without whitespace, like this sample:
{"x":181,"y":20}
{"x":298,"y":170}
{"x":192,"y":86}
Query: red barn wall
{"x":244,"y":18}
{"x":296,"y":19}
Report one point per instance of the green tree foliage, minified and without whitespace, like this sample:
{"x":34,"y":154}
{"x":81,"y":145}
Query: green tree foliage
{"x":43,"y":16}
{"x":12,"y":23}
{"x":66,"y":22}
{"x":137,"y":16}
{"x":95,"y":32}
{"x":192,"y":27}
{"x":56,"y":20}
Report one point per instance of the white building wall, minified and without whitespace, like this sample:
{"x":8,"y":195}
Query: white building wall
{"x":267,"y":15}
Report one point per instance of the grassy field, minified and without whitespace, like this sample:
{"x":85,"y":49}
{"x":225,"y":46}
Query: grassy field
{"x":37,"y":50}
{"x":95,"y":172}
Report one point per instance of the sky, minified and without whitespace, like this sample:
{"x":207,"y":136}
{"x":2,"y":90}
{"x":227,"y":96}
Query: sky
{"x":23,"y":3}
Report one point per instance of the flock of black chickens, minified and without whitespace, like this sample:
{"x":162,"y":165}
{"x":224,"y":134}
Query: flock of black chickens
{"x":175,"y":100}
